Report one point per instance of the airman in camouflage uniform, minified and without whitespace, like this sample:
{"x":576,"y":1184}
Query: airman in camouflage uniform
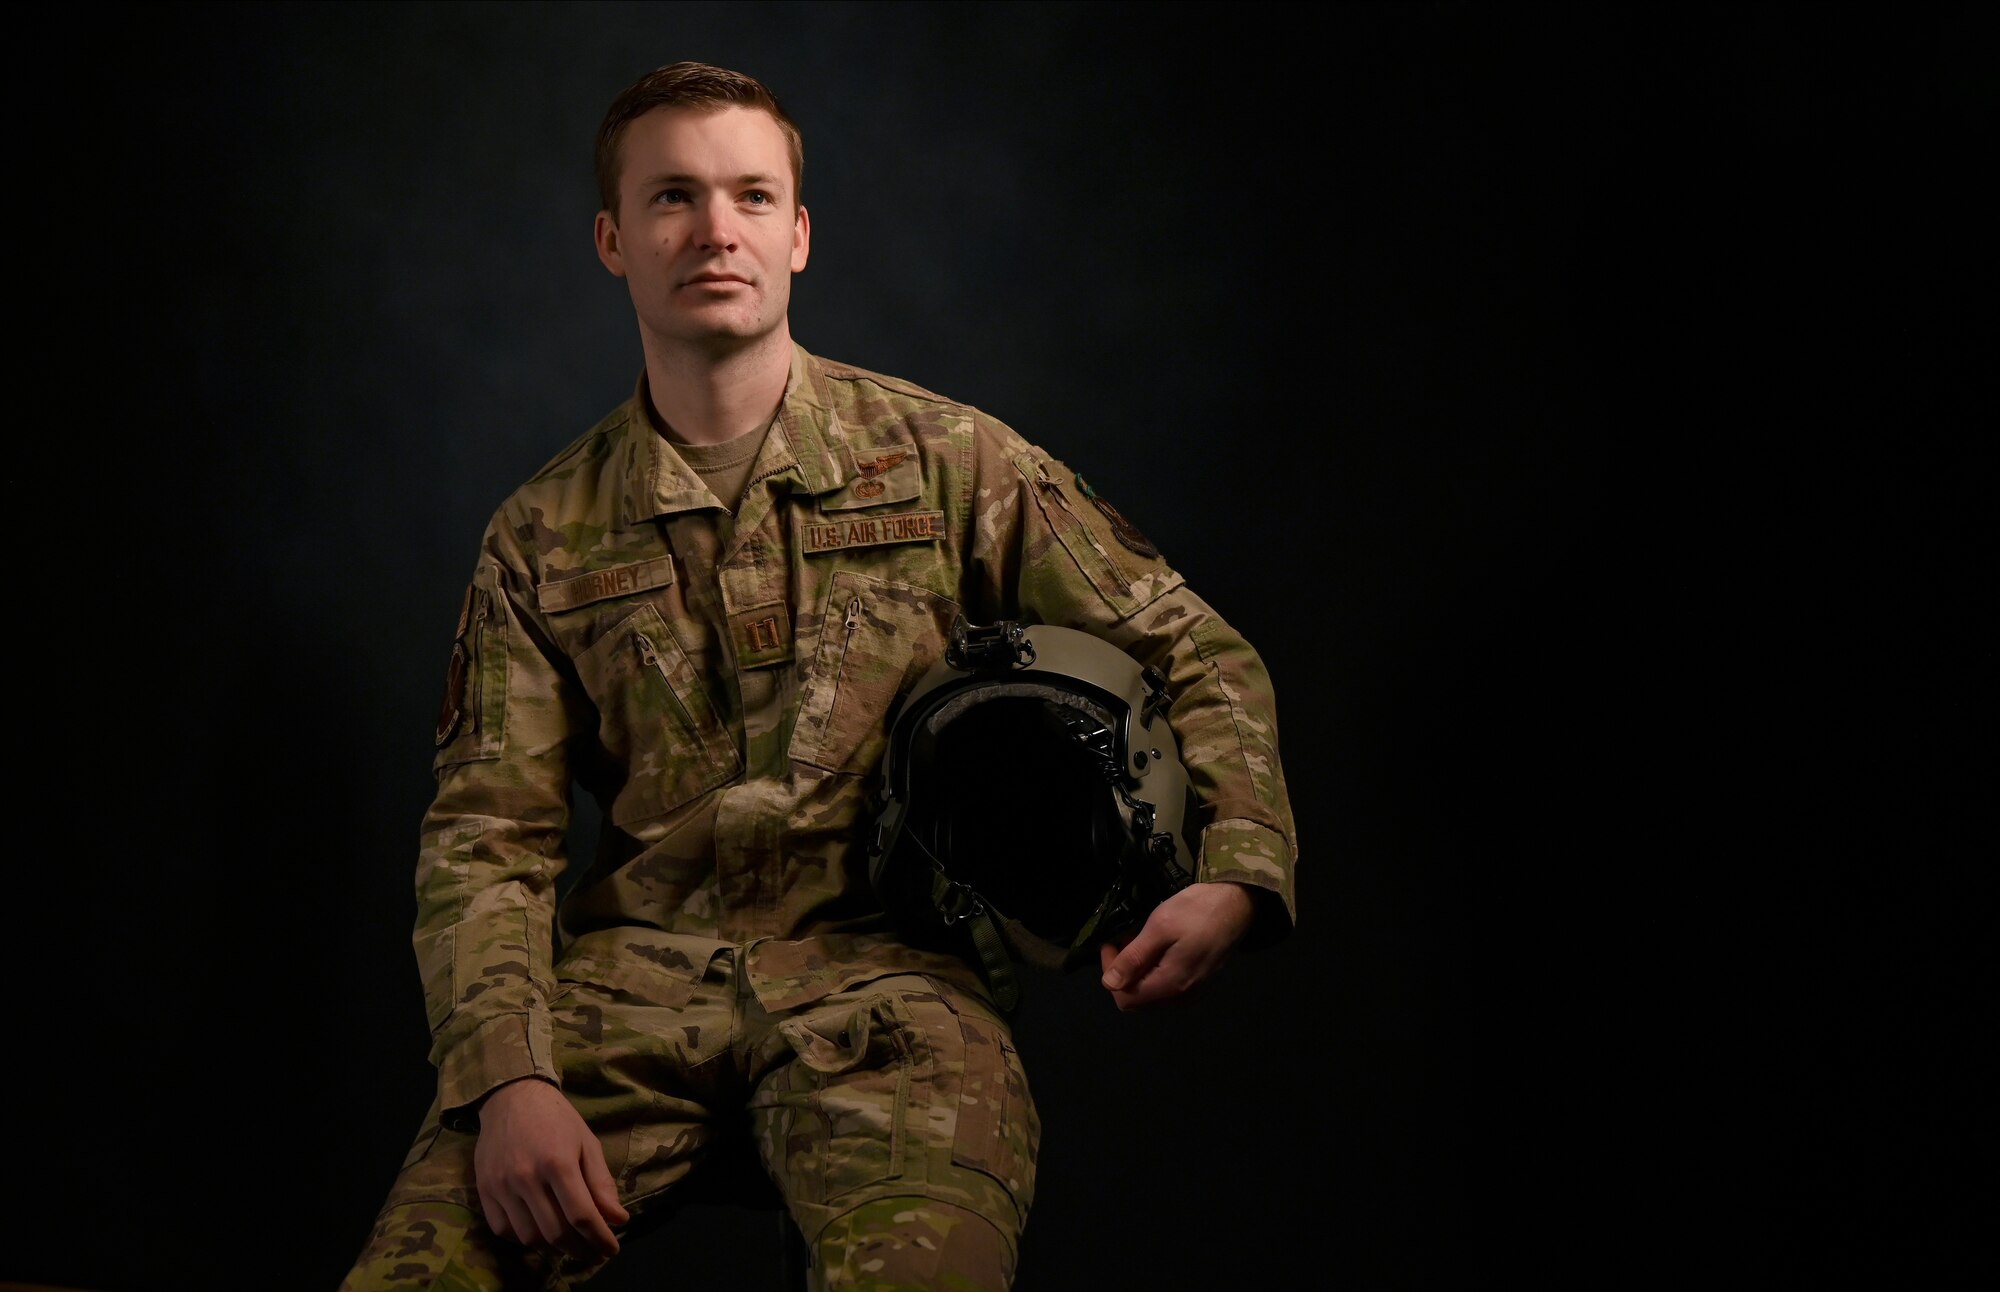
{"x":720,"y":679}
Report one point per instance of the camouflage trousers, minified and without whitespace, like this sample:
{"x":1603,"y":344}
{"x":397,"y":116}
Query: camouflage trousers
{"x":894,"y":1118}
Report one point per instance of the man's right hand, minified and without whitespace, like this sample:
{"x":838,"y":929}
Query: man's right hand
{"x":541,"y":1173}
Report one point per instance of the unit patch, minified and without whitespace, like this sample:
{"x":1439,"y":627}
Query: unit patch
{"x":873,"y":531}
{"x":1127,"y":532}
{"x":453,"y":707}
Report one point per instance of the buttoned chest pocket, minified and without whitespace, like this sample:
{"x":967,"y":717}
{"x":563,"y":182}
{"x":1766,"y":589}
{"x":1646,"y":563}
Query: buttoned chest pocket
{"x":654,"y":718}
{"x":876,"y":639}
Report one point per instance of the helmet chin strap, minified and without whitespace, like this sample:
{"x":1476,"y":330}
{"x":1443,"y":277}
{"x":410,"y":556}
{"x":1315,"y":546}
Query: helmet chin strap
{"x":957,"y":904}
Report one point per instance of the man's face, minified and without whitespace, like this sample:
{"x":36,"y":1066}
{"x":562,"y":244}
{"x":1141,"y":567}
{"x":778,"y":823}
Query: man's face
{"x":708,"y":231}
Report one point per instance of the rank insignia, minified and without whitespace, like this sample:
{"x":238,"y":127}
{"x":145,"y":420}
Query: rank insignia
{"x":1127,"y":532}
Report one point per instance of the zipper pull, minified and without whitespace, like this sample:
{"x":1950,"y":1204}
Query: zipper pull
{"x":646,"y":651}
{"x":853,"y":614}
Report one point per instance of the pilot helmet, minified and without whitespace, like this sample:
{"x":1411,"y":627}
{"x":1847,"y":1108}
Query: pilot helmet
{"x":1032,"y":801}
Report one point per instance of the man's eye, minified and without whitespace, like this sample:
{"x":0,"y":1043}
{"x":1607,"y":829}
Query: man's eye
{"x":672,"y":196}
{"x":758,"y":197}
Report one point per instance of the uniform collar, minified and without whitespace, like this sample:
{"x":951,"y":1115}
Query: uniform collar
{"x":806,"y":441}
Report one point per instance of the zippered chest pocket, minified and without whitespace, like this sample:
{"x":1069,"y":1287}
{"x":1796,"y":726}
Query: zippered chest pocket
{"x":876,"y":640}
{"x":655,"y":718}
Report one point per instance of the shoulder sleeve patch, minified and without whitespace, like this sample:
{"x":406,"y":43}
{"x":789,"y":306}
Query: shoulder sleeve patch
{"x":1126,"y":531}
{"x":472,"y":720}
{"x":1124,"y":567}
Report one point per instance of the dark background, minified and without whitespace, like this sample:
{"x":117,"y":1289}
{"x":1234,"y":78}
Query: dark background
{"x":1577,"y":408}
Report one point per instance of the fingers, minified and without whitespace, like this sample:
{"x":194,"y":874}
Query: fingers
{"x":1138,"y":957}
{"x":520,"y":1219}
{"x":583,"y":1229}
{"x":1166,"y":981}
{"x":602,"y":1187}
{"x":549,"y":1225}
{"x":496,"y":1215}
{"x":560,"y":1213}
{"x":541,"y":1175}
{"x":1183,"y":942}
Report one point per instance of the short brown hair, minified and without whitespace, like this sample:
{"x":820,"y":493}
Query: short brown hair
{"x":687,"y":85}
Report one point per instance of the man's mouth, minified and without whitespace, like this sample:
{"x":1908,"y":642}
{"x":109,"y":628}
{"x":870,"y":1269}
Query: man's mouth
{"x":717,"y":278}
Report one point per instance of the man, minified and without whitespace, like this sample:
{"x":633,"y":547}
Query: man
{"x":701,"y":613}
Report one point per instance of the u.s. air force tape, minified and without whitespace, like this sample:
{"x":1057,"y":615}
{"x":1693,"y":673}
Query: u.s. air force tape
{"x":873,"y":531}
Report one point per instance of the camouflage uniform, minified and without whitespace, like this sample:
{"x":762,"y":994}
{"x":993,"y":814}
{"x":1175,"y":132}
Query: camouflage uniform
{"x":720,"y":683}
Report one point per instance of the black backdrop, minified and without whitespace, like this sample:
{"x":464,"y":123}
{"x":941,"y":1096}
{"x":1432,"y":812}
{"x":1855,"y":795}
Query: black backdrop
{"x":1575,"y":408}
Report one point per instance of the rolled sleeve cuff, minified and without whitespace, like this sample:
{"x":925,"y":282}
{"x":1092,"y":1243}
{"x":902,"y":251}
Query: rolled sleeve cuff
{"x":1245,"y":852}
{"x":501,"y":1049}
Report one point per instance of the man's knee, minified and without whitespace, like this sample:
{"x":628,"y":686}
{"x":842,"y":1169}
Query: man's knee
{"x":895,"y":1244}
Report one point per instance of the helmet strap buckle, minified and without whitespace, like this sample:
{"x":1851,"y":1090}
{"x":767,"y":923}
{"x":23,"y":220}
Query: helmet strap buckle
{"x":957,"y":903}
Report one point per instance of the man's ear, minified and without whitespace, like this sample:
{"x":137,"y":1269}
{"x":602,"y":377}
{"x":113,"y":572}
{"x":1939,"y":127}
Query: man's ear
{"x":609,"y":249}
{"x":802,"y":236}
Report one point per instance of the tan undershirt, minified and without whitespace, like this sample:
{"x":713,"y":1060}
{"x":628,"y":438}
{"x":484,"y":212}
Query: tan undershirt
{"x":725,"y":467}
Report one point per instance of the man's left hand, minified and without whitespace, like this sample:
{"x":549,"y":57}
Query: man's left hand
{"x":1184,"y":941}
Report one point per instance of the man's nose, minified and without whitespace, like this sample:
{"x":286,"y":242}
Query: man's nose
{"x":717,"y":230}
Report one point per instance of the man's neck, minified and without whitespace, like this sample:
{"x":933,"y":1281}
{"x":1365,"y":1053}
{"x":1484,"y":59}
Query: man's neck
{"x":705,"y":397}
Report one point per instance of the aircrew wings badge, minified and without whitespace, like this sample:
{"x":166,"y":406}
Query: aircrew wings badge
{"x":868,"y":486}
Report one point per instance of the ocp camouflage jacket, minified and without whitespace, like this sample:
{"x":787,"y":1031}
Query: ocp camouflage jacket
{"x":721,"y":685}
